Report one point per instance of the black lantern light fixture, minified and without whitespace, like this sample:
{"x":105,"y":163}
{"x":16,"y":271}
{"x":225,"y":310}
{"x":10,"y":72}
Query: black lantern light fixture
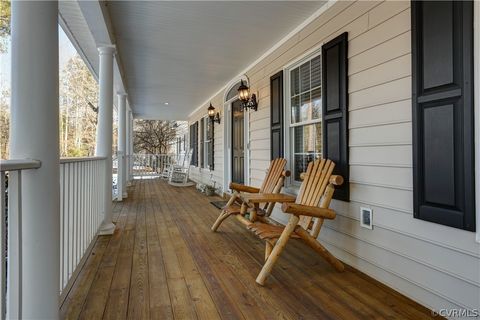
{"x":211,"y":114}
{"x":244,"y":96}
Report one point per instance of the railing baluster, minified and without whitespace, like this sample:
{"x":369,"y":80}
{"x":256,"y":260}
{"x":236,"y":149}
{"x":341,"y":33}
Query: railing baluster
{"x":61,"y":228}
{"x":76,"y":223}
{"x":82,"y":208}
{"x":14,"y":285}
{"x":3,"y":247}
{"x":70,"y":218}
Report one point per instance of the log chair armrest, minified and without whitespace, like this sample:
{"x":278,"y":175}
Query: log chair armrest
{"x":267,"y":197}
{"x":336,"y":180}
{"x":242,"y":188}
{"x":302,"y":210}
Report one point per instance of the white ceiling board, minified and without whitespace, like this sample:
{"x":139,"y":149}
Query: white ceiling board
{"x":76,"y":28}
{"x":182,"y":52}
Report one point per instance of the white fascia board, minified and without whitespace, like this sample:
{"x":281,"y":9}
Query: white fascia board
{"x":77,"y":46}
{"x":98,"y":22}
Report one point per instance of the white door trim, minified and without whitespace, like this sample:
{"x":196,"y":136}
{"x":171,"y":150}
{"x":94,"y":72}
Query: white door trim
{"x":227,"y":134}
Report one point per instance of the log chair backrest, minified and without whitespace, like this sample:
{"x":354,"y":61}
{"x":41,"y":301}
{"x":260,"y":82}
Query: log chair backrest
{"x":317,"y":190}
{"x":275,"y":175}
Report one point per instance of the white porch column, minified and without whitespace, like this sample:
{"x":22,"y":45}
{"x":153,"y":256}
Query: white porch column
{"x":127,"y":143}
{"x":34,"y":134}
{"x":105,"y":130}
{"x":130,"y":145}
{"x":122,"y":145}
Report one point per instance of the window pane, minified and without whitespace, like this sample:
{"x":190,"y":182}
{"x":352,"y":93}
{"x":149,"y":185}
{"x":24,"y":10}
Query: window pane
{"x":307,"y":145}
{"x":294,"y":82}
{"x":305,"y":107}
{"x":306,"y":92}
{"x":305,"y":77}
{"x":209,"y":154}
{"x":295,"y":102}
{"x":209,"y":129}
{"x":316,"y":72}
{"x":233,"y":92}
{"x":317,"y":103}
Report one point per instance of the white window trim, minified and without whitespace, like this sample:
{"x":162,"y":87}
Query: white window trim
{"x":206,"y":164}
{"x":476,"y":95}
{"x":291,"y":186}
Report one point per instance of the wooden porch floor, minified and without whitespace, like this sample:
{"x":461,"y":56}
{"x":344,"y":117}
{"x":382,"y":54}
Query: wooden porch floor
{"x":163,"y":262}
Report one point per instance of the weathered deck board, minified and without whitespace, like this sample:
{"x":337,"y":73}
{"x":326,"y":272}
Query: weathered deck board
{"x":163,"y":262}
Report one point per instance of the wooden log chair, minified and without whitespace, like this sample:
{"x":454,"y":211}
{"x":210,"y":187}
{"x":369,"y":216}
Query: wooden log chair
{"x":272,"y":184}
{"x":306,"y":217}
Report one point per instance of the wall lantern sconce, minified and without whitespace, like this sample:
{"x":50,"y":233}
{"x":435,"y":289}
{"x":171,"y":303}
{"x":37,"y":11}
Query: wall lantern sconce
{"x":244,"y":96}
{"x":211,"y":114}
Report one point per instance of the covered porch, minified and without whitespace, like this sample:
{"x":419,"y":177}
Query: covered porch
{"x":163,"y":262}
{"x":356,"y":82}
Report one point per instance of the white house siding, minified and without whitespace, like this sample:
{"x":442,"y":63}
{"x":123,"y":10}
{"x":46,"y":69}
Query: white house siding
{"x":435,"y":265}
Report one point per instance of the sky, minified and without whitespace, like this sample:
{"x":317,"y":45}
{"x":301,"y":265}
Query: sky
{"x":66,"y":51}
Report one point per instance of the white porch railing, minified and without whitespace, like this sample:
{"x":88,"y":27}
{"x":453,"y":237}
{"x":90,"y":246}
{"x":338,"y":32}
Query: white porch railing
{"x":11,"y":227}
{"x":82,"y":188}
{"x":149,"y":165}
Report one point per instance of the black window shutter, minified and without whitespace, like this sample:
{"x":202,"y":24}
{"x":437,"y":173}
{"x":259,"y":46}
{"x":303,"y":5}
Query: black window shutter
{"x":212,"y":144}
{"x":276,"y":115}
{"x":443,"y":113}
{"x":335,"y":109}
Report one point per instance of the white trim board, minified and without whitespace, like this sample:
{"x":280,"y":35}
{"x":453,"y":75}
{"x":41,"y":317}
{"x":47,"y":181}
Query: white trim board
{"x":476,"y":98}
{"x":290,"y":35}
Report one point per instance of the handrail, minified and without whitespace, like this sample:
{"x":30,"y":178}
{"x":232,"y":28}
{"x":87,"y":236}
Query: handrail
{"x":19,"y":164}
{"x":80,"y":159}
{"x":23,"y":164}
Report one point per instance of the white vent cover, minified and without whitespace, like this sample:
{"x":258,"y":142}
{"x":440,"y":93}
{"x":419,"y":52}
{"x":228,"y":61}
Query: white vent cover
{"x":366,"y":218}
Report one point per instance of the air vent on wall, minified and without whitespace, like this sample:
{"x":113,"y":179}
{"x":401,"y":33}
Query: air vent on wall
{"x":366,"y":218}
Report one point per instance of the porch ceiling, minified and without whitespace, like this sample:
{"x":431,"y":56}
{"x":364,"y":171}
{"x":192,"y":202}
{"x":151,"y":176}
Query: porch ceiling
{"x":182,"y":52}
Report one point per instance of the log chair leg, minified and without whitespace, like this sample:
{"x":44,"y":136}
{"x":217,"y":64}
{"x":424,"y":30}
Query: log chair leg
{"x":224,"y":214}
{"x":277,"y":250}
{"x":253,"y":212}
{"x":268,"y":248}
{"x":220,"y":219}
{"x":315,"y":245}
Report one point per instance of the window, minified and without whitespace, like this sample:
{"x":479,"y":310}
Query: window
{"x":233,"y":92}
{"x":304,"y":104}
{"x":207,"y":143}
{"x":316,"y":114}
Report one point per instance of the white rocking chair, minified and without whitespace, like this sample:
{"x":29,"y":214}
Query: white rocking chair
{"x":179,"y":173}
{"x":178,"y":161}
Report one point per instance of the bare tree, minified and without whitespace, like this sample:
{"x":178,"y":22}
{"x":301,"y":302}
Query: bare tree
{"x":4,"y":124}
{"x":5,"y":24}
{"x":78,"y":114}
{"x":154,"y":136}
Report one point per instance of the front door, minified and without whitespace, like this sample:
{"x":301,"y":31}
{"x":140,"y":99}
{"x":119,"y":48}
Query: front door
{"x":238,"y":143}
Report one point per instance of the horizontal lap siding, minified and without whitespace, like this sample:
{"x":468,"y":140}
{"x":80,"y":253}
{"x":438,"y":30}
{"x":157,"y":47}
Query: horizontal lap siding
{"x":433,"y":264}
